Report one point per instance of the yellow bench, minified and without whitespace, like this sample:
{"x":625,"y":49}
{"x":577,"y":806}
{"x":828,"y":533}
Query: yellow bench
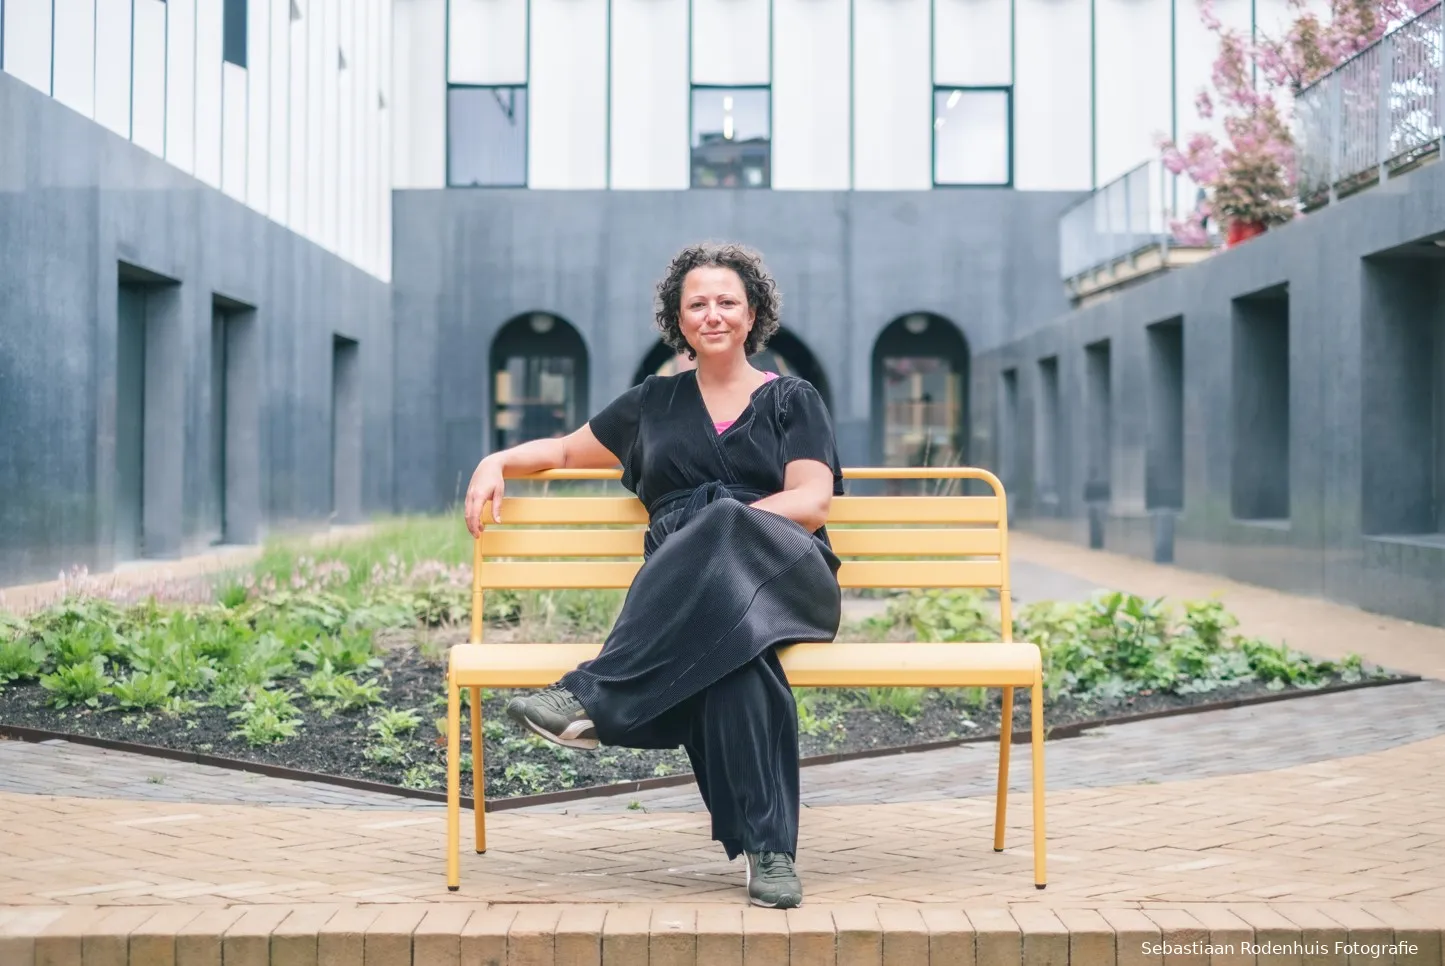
{"x":928,"y":542}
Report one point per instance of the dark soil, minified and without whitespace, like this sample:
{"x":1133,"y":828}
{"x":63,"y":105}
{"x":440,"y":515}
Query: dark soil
{"x":521,"y":764}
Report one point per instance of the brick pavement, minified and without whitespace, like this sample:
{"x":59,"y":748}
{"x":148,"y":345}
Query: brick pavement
{"x":1370,"y":827}
{"x":1341,"y":850}
{"x":1237,"y":740}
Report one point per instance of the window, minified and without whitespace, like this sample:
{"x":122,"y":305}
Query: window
{"x":972,"y":136}
{"x":233,"y":37}
{"x":732,"y":137}
{"x":487,"y":137}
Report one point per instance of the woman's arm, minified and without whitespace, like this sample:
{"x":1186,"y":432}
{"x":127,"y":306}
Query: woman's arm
{"x":807,"y":494}
{"x":578,"y":450}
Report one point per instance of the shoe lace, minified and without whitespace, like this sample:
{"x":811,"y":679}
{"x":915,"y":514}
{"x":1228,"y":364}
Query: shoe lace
{"x":557,"y":698}
{"x":774,"y":863}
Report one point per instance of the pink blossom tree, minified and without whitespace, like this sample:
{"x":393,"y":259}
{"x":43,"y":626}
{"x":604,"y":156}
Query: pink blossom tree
{"x":1251,"y":176}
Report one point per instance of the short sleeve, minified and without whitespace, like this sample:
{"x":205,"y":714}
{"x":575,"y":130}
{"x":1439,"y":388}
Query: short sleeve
{"x":616,"y":428}
{"x":808,"y":430}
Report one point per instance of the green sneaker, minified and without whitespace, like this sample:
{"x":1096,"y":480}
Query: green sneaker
{"x":772,"y":880}
{"x":557,"y":716}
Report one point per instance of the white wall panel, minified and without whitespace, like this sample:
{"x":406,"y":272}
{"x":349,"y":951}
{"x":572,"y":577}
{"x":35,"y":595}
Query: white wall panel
{"x":75,"y":54}
{"x":567,"y":96}
{"x":298,"y":111}
{"x":387,"y":135}
{"x":730,"y":42}
{"x":148,"y":81}
{"x":973,"y":43}
{"x":365,"y":135}
{"x":233,"y":130}
{"x":346,"y":84}
{"x":319,"y":59}
{"x":1133,"y":66}
{"x":488,"y":42}
{"x":112,"y":64}
{"x":892,"y":95}
{"x":812,"y":124}
{"x":27,"y":41}
{"x":1052,"y":124}
{"x":258,"y":105}
{"x":181,"y":83}
{"x":650,"y":94}
{"x":208,"y":91}
{"x":418,"y":102}
{"x":278,"y":118}
{"x":328,"y":183}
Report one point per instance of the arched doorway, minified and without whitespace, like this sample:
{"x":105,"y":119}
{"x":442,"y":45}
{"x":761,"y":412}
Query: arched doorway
{"x":784,"y":354}
{"x":539,"y":379}
{"x":920,"y":393}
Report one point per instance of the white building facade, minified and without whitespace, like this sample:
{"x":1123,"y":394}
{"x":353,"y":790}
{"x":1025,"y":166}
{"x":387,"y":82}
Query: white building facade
{"x":889,"y":95}
{"x":284,"y":105}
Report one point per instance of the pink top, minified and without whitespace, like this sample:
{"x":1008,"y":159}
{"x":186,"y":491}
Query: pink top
{"x":722,"y":425}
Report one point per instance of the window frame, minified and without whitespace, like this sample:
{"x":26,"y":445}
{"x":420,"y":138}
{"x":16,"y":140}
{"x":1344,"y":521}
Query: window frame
{"x":692,"y":90}
{"x":526,"y":134}
{"x":235,"y":33}
{"x":1007,"y":90}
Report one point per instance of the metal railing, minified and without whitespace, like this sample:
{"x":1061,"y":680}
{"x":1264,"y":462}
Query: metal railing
{"x":1378,"y":112}
{"x":1124,"y":217}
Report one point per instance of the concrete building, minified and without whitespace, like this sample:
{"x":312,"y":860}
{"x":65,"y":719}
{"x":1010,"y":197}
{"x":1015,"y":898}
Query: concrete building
{"x":195,"y":319}
{"x":278,"y":262}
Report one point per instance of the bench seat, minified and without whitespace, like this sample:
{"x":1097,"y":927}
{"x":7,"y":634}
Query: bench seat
{"x":834,"y":665}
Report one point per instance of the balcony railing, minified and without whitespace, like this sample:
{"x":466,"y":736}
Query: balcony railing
{"x":1121,"y":232}
{"x":1376,"y":114}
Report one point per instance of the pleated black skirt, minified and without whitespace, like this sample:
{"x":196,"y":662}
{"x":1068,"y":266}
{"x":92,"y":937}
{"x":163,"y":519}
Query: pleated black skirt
{"x":691,"y":661}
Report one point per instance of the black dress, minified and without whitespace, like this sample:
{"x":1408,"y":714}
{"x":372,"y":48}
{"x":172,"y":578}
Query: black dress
{"x":691,"y":660}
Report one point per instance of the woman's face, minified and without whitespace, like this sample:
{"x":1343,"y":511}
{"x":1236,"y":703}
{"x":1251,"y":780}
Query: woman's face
{"x":715,"y":316}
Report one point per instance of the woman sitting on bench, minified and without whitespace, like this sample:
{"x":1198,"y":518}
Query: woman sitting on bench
{"x":737,"y":468}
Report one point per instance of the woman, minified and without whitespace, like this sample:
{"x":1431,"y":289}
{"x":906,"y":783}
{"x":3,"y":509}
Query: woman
{"x":737,"y":468}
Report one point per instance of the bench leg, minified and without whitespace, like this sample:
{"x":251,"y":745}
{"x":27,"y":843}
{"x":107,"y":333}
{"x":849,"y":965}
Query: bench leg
{"x":1036,"y":751}
{"x":1005,"y":737}
{"x":454,"y":794}
{"x":479,"y":786}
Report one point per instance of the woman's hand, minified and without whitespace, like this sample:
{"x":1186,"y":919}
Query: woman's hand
{"x":486,"y":487}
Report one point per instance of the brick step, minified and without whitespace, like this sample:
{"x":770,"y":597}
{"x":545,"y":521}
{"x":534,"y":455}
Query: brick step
{"x":540,"y":934}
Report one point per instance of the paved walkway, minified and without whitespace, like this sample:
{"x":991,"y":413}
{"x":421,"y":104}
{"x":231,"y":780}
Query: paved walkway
{"x":1363,"y":828}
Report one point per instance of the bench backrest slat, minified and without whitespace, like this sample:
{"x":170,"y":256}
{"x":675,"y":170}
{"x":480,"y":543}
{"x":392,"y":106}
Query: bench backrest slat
{"x":903,"y":542}
{"x":898,"y":542}
{"x":613,"y":510}
{"x":605,"y":574}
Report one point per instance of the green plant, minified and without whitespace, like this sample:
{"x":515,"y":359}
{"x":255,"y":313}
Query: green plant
{"x":424,"y":775}
{"x":20,"y":659}
{"x":269,"y":717}
{"x":528,"y":775}
{"x":142,"y":689}
{"x":907,"y":703}
{"x":938,"y":615}
{"x":77,"y":684}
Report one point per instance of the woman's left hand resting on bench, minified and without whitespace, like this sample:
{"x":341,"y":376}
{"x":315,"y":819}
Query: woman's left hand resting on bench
{"x":578,"y":450}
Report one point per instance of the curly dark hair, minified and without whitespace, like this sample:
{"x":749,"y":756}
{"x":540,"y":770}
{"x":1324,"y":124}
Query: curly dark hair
{"x":758,"y":285}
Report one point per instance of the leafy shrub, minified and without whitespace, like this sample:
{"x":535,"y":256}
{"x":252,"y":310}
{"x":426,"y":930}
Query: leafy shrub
{"x":77,"y":683}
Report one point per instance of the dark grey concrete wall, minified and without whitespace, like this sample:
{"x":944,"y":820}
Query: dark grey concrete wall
{"x":1357,"y":460}
{"x":847,"y":264}
{"x":76,"y":204}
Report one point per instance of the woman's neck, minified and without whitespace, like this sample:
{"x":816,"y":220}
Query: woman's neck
{"x":726,"y":373}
